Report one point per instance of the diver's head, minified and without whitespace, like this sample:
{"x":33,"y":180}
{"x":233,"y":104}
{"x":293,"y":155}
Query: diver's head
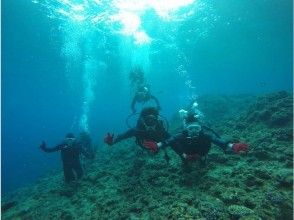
{"x":191,"y":117}
{"x":192,"y":130}
{"x":192,"y":126}
{"x":142,"y":92}
{"x":149,"y":115}
{"x":183,"y":113}
{"x":136,"y":75}
{"x":150,"y":120}
{"x":70,"y":138}
{"x":149,"y":111}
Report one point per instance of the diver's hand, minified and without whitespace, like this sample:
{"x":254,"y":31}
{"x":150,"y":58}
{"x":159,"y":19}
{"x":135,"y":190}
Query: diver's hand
{"x":239,"y":147}
{"x":108,"y":139}
{"x":43,"y":145}
{"x":151,"y":145}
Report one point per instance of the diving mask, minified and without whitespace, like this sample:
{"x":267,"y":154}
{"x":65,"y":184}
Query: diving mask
{"x":150,"y":120}
{"x":193,"y":130}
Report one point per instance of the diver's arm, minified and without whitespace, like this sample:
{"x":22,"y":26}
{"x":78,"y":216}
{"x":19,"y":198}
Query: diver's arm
{"x":227,"y":145}
{"x":223,"y":144}
{"x":175,"y":142}
{"x":172,"y":140}
{"x":128,"y":134}
{"x":50,"y":150}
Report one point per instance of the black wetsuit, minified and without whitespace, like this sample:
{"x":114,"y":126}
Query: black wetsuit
{"x":142,"y":133}
{"x":146,"y":98}
{"x":200,"y":145}
{"x":70,"y":155}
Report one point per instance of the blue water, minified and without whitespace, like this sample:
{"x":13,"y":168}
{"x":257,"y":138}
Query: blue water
{"x":60,"y":74}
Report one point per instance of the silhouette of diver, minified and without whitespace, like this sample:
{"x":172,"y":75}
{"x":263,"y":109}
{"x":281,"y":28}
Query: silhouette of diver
{"x":70,"y":150}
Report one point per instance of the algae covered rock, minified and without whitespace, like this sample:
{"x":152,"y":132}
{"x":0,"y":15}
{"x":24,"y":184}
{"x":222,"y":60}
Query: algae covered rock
{"x":262,"y":173}
{"x":285,"y":178}
{"x":238,"y":211}
{"x":212,"y":210}
{"x":273,"y":110}
{"x":66,"y":215}
{"x":280,"y":118}
{"x":229,"y":196}
{"x":7,"y":205}
{"x":275,"y":198}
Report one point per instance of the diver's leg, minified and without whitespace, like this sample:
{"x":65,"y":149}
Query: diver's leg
{"x":68,"y":173}
{"x":203,"y":161}
{"x":78,"y":169}
{"x":186,"y":166}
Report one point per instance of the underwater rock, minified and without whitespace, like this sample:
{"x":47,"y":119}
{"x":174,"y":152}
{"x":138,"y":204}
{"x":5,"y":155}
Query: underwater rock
{"x":263,"y":174}
{"x":92,"y":177}
{"x":273,"y":110}
{"x":66,"y":215}
{"x":229,"y":197}
{"x":238,"y":211}
{"x":211,"y":211}
{"x":285,"y":179}
{"x":252,"y":180}
{"x":285,"y":134}
{"x":280,"y":118}
{"x":262,"y":154}
{"x":250,"y":217}
{"x":250,"y":203}
{"x":8,"y":205}
{"x":218,"y":158}
{"x":264,"y":115}
{"x":68,"y":192}
{"x":240,"y":126}
{"x":24,"y":213}
{"x":275,"y":198}
{"x":189,"y":199}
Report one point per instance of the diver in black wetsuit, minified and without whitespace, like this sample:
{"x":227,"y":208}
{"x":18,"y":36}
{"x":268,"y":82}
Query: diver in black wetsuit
{"x":143,"y":95}
{"x":70,"y":150}
{"x":195,"y":140}
{"x":149,"y":128}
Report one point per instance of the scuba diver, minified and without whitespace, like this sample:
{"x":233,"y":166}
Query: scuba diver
{"x":149,"y":128}
{"x":193,"y":109}
{"x":137,"y":77}
{"x":143,"y":95}
{"x":195,"y":140}
{"x":70,"y":150}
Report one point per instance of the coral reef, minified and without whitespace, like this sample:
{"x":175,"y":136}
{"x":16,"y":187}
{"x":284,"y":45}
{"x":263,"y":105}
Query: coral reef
{"x":124,"y":182}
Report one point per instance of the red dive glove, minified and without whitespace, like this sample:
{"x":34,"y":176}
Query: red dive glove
{"x":108,"y":139}
{"x":237,"y":147}
{"x":151,"y":145}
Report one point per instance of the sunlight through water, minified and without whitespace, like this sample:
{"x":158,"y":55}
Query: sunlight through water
{"x":127,"y":20}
